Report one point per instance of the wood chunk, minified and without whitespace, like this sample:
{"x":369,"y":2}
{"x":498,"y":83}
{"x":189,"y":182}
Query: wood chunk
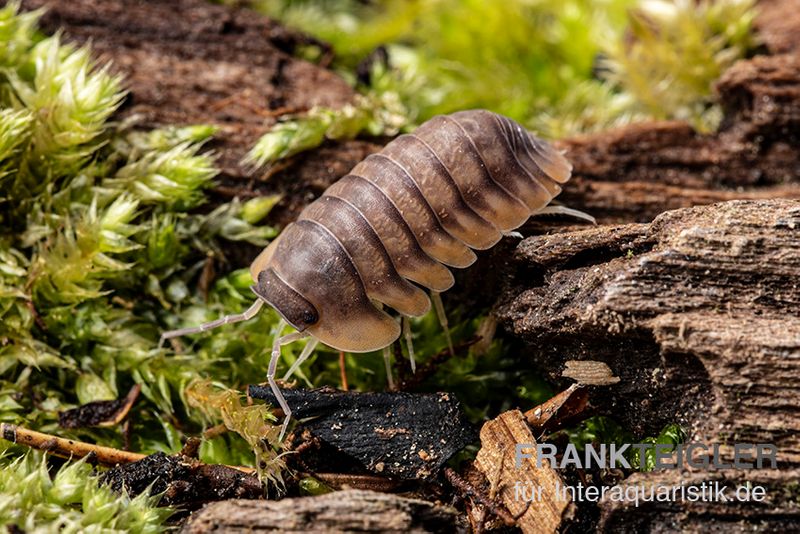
{"x":405,"y":435}
{"x":589,"y":373}
{"x":560,"y":410}
{"x":99,"y":413}
{"x":341,"y":511}
{"x":496,"y":460}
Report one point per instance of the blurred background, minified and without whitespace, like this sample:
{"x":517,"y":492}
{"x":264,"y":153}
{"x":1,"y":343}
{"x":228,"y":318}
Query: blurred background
{"x":558,"y":67}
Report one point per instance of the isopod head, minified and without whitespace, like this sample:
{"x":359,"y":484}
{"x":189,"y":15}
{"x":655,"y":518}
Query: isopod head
{"x":306,"y":276}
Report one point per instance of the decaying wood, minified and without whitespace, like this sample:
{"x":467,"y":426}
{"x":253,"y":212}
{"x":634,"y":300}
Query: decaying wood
{"x":560,"y":410}
{"x":496,"y":460}
{"x":589,"y":373}
{"x":342,"y":511}
{"x":183,"y":481}
{"x":698,"y":314}
{"x":100,"y":413}
{"x":408,"y":436}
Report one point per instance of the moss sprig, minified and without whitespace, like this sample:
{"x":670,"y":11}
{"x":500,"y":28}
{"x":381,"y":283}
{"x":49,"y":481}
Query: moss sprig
{"x":71,"y":500}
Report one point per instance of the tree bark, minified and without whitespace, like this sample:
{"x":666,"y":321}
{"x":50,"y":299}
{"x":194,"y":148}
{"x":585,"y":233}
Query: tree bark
{"x":343,"y":511}
{"x":698,"y":314}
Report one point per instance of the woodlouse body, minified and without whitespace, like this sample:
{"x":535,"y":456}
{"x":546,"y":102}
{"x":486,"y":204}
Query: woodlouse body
{"x":404,"y":215}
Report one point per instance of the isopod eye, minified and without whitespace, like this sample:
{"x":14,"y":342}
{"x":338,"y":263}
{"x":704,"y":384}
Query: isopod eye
{"x":297,"y":311}
{"x":309,"y":317}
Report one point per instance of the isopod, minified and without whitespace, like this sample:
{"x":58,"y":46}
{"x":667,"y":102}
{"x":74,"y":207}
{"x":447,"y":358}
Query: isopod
{"x":394,"y":225}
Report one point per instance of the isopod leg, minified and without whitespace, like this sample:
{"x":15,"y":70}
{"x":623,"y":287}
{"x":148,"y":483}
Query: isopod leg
{"x":308,"y":350}
{"x":439,"y":307}
{"x":248,"y":314}
{"x":564,"y":210}
{"x":409,"y":343}
{"x":273,"y":366}
{"x":387,"y":361}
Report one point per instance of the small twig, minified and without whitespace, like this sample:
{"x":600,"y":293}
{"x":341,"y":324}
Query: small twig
{"x":466,"y":489}
{"x":343,"y":371}
{"x":66,"y":448}
{"x":71,"y":449}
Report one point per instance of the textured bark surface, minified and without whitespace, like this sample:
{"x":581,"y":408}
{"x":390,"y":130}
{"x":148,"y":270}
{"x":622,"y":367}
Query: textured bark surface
{"x":698,"y":314}
{"x":496,"y":460}
{"x":343,"y":511}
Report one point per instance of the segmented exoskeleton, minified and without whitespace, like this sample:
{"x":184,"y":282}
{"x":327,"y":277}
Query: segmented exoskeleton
{"x":396,"y":222}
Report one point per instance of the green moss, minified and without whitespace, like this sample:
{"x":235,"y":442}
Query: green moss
{"x":102,"y":248}
{"x":558,"y":67}
{"x":673,"y":53}
{"x":605,"y":430}
{"x":70,"y":500}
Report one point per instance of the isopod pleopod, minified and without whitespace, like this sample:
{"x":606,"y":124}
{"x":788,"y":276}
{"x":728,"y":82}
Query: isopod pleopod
{"x":394,"y":225}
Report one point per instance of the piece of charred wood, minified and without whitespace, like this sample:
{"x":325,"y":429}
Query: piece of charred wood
{"x":183,"y":481}
{"x":342,"y":511}
{"x":99,"y":413}
{"x":403,"y":435}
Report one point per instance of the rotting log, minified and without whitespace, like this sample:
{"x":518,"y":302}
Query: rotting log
{"x":343,"y":511}
{"x":189,"y":61}
{"x":698,"y":314}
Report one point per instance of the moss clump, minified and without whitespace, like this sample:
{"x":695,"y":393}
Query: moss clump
{"x":71,"y":500}
{"x":101,"y":248}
